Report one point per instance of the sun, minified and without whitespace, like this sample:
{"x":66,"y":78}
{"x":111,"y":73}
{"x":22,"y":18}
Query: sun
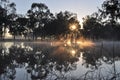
{"x":73,"y":27}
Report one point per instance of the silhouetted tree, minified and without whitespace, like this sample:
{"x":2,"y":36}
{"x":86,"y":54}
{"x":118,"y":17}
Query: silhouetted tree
{"x":11,"y":17}
{"x":8,"y":14}
{"x":3,"y":16}
{"x":110,"y":13}
{"x":22,"y":29}
{"x":92,"y":27}
{"x":117,"y":31}
{"x":60,"y":25}
{"x":111,"y":10}
{"x":2,"y":20}
{"x":39,"y":15}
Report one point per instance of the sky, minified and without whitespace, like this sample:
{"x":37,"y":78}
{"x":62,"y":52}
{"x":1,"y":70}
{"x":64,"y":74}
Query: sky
{"x":80,"y":7}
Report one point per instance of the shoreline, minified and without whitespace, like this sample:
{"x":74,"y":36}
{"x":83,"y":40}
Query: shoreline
{"x":39,"y":40}
{"x":26,"y":40}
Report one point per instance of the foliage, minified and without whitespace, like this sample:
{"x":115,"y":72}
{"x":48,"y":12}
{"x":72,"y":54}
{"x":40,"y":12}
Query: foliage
{"x":92,"y":27}
{"x":60,"y":25}
{"x":110,"y":9}
{"x":40,"y":22}
{"x":39,"y":15}
{"x":105,"y":24}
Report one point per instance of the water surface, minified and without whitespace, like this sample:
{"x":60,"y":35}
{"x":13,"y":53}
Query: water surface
{"x":58,"y":61}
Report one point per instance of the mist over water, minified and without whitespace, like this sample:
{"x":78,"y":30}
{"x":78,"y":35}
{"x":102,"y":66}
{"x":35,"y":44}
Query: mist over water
{"x":55,"y":60}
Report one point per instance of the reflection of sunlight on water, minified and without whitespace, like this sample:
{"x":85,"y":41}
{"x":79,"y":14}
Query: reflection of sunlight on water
{"x":8,"y":44}
{"x":64,"y":57}
{"x":85,"y":43}
{"x":70,"y":46}
{"x":68,"y":42}
{"x":56,"y":43}
{"x":73,"y":52}
{"x":81,"y":56}
{"x":22,"y":45}
{"x":81,"y":43}
{"x":65,"y":52}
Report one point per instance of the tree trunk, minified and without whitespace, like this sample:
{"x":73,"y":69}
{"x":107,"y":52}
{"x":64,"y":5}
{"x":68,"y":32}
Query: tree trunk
{"x":4,"y":32}
{"x":14,"y":37}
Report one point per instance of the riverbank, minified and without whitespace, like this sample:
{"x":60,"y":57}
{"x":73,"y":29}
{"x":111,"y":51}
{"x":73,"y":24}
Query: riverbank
{"x":39,"y":40}
{"x":27,"y":40}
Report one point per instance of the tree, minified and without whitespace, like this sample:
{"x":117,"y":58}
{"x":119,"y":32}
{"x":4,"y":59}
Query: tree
{"x":2,"y":20}
{"x":60,"y":25}
{"x":3,"y":16}
{"x":110,"y":9}
{"x":11,"y":17}
{"x":92,"y":27}
{"x":22,"y":25}
{"x":39,"y":15}
{"x":110,"y":13}
{"x":8,"y":15}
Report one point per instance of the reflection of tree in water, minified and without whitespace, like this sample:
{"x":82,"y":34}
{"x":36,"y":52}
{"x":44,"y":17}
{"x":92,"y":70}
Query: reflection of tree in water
{"x":91,"y":59}
{"x":94,"y":56}
{"x":98,"y":55}
{"x":49,"y":62}
{"x":5,"y":60}
{"x":42,"y":62}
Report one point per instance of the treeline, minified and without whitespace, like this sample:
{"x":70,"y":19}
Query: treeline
{"x":40,"y":22}
{"x":104,"y":24}
{"x":96,"y":29}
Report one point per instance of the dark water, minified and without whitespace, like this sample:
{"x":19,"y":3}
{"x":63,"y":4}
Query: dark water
{"x":54,"y":61}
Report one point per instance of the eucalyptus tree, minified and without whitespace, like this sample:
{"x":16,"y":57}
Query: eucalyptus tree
{"x":22,"y":22}
{"x":11,"y":17}
{"x":38,"y":15}
{"x":3,"y":16}
{"x":92,"y":26}
{"x":110,"y":13}
{"x":60,"y":25}
{"x":2,"y":20}
{"x":110,"y":10}
{"x":8,"y":14}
